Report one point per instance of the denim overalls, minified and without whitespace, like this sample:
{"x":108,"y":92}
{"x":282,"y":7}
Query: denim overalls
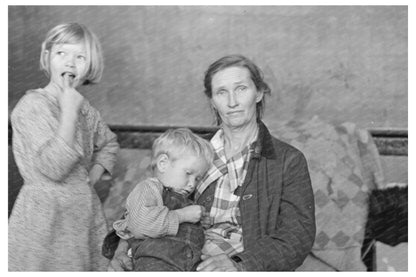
{"x":170,"y":253}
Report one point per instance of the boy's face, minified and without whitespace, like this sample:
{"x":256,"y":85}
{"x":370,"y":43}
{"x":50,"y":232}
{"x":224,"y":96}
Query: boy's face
{"x":184,"y":173}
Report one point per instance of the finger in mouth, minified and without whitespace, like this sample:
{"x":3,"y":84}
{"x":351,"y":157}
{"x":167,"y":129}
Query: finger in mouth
{"x":69,"y":74}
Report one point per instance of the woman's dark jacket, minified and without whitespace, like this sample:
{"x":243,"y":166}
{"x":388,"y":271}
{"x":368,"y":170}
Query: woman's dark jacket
{"x":276,"y":205}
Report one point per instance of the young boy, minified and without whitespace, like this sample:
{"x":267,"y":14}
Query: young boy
{"x":160,"y":223}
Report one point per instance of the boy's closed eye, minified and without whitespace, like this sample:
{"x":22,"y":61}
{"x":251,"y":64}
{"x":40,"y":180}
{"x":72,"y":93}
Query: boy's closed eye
{"x":197,"y":178}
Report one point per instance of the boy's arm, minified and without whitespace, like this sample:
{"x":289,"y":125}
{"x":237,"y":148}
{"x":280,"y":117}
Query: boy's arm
{"x":147,"y":216}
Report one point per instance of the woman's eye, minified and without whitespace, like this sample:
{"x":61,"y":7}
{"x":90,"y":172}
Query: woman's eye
{"x":60,"y":53}
{"x":81,"y":58}
{"x":220,"y":92}
{"x":241,"y":88}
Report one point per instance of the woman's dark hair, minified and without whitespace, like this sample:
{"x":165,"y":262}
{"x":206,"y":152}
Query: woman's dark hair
{"x":240,"y":61}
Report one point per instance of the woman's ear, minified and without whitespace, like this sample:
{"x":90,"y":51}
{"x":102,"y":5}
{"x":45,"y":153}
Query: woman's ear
{"x":211,"y":102}
{"x":218,"y":119}
{"x":259,"y":96}
{"x":162,"y":162}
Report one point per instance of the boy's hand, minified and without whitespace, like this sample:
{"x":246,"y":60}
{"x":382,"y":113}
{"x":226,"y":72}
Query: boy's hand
{"x":206,"y":220}
{"x":191,"y":213}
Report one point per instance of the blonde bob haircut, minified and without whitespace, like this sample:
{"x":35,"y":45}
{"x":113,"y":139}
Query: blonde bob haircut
{"x":73,"y":33}
{"x":177,"y":142}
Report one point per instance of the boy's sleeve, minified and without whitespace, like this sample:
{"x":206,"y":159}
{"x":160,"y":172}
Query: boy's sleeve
{"x":146,"y":215}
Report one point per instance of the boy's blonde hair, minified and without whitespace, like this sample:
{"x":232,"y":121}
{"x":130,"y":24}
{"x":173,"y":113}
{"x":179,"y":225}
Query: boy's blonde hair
{"x":73,"y":33}
{"x":176,"y":142}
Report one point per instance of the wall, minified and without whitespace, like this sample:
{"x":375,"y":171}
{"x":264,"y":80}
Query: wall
{"x":341,"y":63}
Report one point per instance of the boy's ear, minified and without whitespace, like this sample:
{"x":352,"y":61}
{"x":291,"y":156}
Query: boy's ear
{"x":161,"y":162}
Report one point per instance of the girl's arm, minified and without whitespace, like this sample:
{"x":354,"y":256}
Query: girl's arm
{"x":37,"y":141}
{"x":67,"y":127}
{"x":70,"y":102}
{"x":105,"y":150}
{"x":95,"y":173}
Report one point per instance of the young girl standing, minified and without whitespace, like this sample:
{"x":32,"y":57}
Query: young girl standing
{"x":62,"y":147}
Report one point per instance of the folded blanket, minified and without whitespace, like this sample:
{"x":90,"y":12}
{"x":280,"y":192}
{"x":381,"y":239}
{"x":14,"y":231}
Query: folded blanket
{"x":345,"y":166}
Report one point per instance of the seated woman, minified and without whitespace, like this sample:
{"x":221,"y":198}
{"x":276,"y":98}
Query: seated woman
{"x":257,"y":195}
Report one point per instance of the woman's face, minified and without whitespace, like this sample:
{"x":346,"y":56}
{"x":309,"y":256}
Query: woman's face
{"x":68,"y":59}
{"x":235,"y":96}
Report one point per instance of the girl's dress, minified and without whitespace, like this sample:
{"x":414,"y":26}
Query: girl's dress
{"x":57,"y":223}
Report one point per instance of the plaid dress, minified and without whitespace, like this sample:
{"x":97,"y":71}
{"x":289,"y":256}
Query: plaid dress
{"x":223,"y":232}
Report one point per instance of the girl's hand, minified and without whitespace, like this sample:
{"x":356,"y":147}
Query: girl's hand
{"x":95,"y":173}
{"x":70,"y":99}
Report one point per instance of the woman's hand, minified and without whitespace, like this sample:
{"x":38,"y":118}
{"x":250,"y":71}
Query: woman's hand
{"x":120,"y":262}
{"x":216,"y":263}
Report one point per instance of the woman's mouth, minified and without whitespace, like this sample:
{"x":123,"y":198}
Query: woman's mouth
{"x":234,"y":113}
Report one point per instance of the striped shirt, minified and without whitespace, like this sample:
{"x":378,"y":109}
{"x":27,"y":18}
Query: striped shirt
{"x":145,"y":214}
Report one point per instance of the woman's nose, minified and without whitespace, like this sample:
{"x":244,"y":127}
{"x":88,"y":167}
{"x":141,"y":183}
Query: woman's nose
{"x":232,"y":101}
